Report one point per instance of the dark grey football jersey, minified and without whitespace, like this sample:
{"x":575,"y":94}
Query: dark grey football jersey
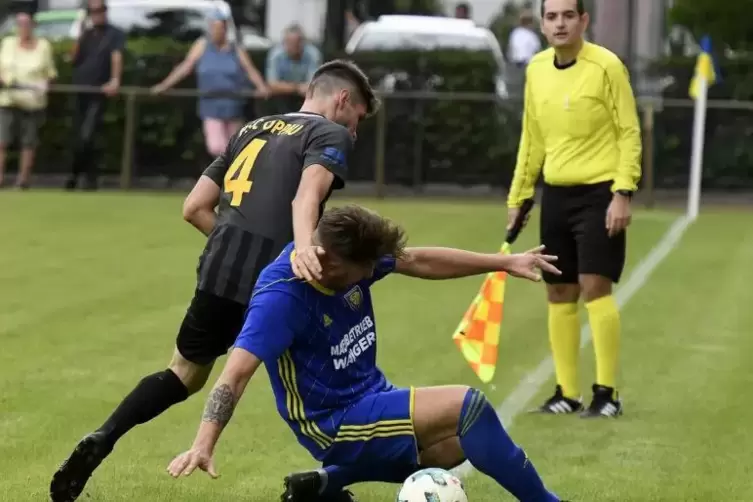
{"x":258,"y":175}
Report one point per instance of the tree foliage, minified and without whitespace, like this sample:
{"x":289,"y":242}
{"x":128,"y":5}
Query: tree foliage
{"x":727,"y":22}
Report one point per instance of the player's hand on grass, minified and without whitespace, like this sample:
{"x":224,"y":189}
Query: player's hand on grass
{"x":526,"y":265}
{"x":306,"y":264}
{"x":187,"y":462}
{"x":618,"y":215}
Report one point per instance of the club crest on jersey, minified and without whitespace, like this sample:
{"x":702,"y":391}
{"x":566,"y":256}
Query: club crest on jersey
{"x":354,"y":298}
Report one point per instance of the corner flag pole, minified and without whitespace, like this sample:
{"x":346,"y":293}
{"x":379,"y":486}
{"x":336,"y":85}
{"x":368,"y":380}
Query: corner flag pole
{"x":706,"y":74}
{"x":696,"y":157}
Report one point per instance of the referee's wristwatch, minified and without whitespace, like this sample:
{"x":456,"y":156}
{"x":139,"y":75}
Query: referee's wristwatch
{"x":625,"y":193}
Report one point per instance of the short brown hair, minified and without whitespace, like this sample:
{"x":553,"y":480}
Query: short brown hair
{"x":331,"y":76}
{"x":359,"y":235}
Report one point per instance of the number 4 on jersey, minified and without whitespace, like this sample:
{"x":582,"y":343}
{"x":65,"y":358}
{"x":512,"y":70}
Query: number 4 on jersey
{"x":241,"y":184}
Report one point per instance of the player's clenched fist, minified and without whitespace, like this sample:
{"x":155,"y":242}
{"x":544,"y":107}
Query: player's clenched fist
{"x":187,"y":462}
{"x":525,"y":265}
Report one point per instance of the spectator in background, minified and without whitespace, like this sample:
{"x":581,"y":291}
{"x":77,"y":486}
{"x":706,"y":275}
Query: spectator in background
{"x":463,"y":10}
{"x":524,"y":41}
{"x":97,"y":62}
{"x":25,"y":61}
{"x":221,"y":66}
{"x":290,"y":68}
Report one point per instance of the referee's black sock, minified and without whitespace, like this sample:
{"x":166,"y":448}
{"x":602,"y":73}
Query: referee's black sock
{"x":153,"y":395}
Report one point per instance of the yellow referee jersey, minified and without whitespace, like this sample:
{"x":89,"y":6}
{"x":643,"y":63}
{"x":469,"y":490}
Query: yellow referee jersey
{"x":580,"y":124}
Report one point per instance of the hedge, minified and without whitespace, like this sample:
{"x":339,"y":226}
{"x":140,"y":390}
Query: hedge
{"x":426,"y":141}
{"x":728,"y":159}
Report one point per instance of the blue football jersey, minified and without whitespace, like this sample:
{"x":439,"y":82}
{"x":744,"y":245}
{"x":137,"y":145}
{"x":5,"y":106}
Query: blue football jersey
{"x":318,"y":345}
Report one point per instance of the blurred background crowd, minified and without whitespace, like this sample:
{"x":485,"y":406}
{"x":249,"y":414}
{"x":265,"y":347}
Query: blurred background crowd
{"x":143,"y":93}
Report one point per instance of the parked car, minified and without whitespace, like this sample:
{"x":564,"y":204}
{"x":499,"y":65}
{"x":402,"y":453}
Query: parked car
{"x":425,"y":33}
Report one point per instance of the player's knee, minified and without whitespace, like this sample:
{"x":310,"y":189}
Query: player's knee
{"x":594,"y":286}
{"x":192,"y":375}
{"x":562,"y":293}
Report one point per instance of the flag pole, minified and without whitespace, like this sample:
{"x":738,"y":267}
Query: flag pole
{"x":696,"y":157}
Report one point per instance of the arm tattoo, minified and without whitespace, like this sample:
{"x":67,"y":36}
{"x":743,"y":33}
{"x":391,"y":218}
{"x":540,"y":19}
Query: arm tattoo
{"x":220,"y":405}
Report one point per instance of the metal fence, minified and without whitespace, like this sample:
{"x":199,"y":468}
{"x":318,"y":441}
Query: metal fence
{"x":416,"y":140}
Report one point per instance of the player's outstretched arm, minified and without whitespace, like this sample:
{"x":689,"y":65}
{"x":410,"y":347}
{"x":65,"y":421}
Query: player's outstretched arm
{"x":241,"y":366}
{"x":449,"y":263}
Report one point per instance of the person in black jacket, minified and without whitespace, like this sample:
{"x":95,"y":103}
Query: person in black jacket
{"x":97,"y":62}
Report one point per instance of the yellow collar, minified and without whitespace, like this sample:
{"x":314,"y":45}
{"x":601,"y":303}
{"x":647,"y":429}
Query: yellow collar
{"x":315,"y":284}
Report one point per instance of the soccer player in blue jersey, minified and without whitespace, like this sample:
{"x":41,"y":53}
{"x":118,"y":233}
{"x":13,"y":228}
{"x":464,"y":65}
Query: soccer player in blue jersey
{"x":318,"y":343}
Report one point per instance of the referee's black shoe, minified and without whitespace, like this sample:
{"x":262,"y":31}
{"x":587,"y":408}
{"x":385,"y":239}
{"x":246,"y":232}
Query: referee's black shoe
{"x":305,"y":487}
{"x":606,"y":403}
{"x":70,"y":479}
{"x":559,"y":404}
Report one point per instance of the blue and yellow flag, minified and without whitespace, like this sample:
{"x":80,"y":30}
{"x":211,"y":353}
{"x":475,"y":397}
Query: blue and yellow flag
{"x":705,"y":67}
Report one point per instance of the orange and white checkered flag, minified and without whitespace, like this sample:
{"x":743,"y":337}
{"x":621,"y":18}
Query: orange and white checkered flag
{"x":477,"y":335}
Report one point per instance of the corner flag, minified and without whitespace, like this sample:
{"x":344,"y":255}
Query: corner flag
{"x":477,"y":335}
{"x":705,"y":76}
{"x":705,"y":68}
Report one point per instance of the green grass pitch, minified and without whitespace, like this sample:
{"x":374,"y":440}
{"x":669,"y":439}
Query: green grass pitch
{"x":93,"y":287}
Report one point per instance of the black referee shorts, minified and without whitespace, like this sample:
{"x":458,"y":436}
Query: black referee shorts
{"x":573,"y":227}
{"x":210,"y":327}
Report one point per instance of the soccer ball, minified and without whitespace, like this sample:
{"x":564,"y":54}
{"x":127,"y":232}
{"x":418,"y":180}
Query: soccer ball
{"x":432,"y":485}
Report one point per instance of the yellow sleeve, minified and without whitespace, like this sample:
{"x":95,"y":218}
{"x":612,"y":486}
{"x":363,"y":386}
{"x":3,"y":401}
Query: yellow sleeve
{"x":621,"y":102}
{"x":531,"y":153}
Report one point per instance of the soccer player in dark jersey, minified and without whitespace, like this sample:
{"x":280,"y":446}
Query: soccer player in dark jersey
{"x":270,"y":187}
{"x":317,"y":340}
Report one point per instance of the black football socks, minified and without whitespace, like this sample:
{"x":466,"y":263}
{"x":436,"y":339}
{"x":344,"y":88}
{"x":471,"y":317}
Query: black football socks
{"x":153,"y":395}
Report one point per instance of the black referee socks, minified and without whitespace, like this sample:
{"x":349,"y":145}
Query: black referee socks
{"x":153,"y":395}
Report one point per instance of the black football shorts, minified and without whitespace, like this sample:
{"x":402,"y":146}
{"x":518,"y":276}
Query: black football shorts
{"x":210,"y":327}
{"x":573,"y":227}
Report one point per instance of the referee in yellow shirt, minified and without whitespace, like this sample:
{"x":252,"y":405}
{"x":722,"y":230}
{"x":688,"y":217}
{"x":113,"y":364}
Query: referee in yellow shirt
{"x":581,"y":126}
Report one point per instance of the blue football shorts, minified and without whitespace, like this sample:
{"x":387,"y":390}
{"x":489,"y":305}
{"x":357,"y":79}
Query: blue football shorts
{"x":377,"y":429}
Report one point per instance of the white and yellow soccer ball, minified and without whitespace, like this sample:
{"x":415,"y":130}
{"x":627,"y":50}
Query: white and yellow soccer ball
{"x":432,"y":485}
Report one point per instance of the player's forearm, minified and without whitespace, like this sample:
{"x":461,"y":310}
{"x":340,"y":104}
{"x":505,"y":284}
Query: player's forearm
{"x":305,"y":218}
{"x":203,"y":219}
{"x":217,"y":414}
{"x":438,"y":263}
